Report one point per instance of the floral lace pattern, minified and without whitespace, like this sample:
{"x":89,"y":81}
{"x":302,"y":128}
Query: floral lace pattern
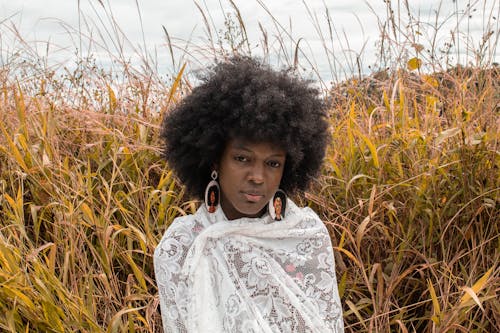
{"x":248,"y":275}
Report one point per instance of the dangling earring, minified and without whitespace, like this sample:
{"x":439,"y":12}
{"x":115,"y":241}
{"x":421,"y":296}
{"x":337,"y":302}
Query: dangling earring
{"x":277,"y":205}
{"x":212,"y":193}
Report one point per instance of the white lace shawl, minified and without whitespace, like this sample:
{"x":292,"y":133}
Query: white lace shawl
{"x":248,"y":275}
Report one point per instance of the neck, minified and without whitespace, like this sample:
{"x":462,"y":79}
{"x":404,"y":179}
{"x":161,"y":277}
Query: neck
{"x":233,"y":214}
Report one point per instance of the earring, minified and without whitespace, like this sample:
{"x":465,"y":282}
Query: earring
{"x":212,"y":193}
{"x":277,"y":205}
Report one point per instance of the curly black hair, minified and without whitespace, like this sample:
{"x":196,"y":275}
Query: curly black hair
{"x":244,"y":98}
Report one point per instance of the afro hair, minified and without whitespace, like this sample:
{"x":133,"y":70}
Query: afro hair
{"x":243,"y":98}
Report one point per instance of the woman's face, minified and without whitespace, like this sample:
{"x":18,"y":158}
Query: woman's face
{"x":249,"y":175}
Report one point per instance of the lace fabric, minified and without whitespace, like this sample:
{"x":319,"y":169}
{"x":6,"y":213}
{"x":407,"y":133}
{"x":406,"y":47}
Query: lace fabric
{"x":248,"y":275}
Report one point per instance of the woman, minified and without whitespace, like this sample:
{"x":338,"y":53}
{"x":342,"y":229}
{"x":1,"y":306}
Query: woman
{"x":254,"y":134}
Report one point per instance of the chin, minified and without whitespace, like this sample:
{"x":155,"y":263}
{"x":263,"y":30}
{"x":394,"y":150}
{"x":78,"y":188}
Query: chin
{"x":255,"y":212}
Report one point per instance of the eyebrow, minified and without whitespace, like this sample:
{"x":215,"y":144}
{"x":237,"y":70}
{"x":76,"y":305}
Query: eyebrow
{"x":240,"y":146}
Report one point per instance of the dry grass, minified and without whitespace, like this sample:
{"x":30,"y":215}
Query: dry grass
{"x":410,"y":192}
{"x":411,"y":195}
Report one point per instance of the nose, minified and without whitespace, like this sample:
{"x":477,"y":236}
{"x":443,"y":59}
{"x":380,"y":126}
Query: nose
{"x":256,"y":173}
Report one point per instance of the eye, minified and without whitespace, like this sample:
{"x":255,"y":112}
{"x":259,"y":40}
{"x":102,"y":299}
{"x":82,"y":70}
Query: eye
{"x":274,"y":164}
{"x":241,"y":158}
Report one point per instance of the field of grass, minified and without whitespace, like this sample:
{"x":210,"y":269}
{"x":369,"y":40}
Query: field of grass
{"x":410,"y":192}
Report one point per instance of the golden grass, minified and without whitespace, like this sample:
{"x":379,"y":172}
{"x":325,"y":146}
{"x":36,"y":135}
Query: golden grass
{"x":85,"y":198}
{"x":409,"y":191}
{"x":411,"y":196}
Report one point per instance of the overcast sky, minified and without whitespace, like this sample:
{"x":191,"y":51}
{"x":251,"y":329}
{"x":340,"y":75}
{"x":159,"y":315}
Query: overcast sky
{"x":357,"y":23}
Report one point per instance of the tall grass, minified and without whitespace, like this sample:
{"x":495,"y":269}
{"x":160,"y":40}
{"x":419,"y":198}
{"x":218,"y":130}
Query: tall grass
{"x":409,"y":189}
{"x":411,"y":195}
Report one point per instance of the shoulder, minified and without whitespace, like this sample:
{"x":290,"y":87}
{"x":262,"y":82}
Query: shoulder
{"x":306,"y":215}
{"x":171,"y":251}
{"x":180,"y":225}
{"x":179,"y":235}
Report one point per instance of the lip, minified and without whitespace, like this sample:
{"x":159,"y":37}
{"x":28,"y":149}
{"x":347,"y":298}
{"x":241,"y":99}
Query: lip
{"x":253,"y":197}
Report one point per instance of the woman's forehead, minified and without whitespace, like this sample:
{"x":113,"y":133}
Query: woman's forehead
{"x":268,"y":147}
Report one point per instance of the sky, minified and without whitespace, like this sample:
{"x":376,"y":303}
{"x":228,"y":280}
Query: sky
{"x":135,"y":30}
